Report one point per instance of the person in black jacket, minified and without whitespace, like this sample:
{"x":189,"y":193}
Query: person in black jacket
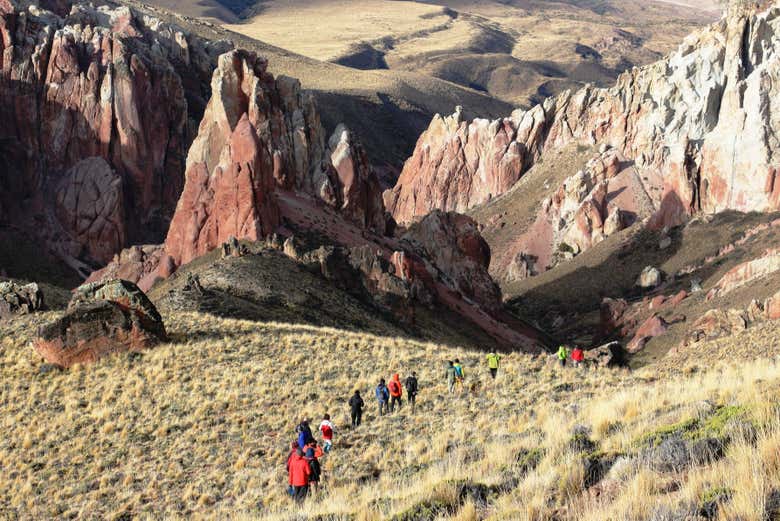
{"x":411,"y":389}
{"x":316,"y":470}
{"x":356,"y":407}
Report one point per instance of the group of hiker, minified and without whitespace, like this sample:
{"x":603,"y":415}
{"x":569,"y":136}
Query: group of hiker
{"x":577,"y":356}
{"x":390,"y":395}
{"x":303,"y":464}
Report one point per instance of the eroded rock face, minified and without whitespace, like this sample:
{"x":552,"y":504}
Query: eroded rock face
{"x":91,"y":83}
{"x":102,"y":318}
{"x":259,"y":135}
{"x":18,"y":299}
{"x":678,"y":117}
{"x":458,"y":164}
{"x":747,"y":272}
{"x":455,"y":247}
{"x":90,"y":207}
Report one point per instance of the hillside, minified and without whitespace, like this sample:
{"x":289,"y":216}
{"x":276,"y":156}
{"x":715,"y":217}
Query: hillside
{"x":516,"y":51}
{"x":200,"y":427}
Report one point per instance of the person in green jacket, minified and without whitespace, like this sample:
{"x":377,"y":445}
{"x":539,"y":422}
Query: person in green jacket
{"x":563,"y":354}
{"x":494,"y":361}
{"x":451,"y":375}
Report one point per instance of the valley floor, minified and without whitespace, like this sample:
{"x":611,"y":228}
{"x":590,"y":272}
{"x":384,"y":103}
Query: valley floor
{"x":199,"y":428}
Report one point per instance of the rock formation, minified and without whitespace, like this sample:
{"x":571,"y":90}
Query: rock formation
{"x":102,"y":319}
{"x":747,"y":272}
{"x":259,"y":135}
{"x":96,"y":107}
{"x":454,"y":246}
{"x":705,"y":119}
{"x":18,"y":299}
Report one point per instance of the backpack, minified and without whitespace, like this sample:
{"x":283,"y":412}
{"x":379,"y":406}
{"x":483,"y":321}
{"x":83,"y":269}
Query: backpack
{"x":394,"y":388}
{"x":459,"y":371}
{"x":411,"y":385}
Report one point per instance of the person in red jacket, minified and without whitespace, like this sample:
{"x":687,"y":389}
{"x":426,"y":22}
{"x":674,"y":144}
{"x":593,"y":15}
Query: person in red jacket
{"x":396,"y":392}
{"x":299,"y":476}
{"x":578,"y":356}
{"x":293,"y":448}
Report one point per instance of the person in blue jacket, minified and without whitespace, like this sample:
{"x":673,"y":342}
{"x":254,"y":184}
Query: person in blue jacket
{"x":382,"y":396}
{"x":304,"y":434}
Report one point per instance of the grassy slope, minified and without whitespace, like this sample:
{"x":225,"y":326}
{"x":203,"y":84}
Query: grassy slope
{"x":199,"y":427}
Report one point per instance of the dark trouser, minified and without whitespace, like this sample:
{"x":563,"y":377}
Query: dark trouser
{"x":395,"y":400}
{"x":357,"y":415}
{"x":563,"y":362}
{"x":493,"y":372}
{"x":301,"y":493}
{"x":382,"y":408}
{"x":412,"y":397}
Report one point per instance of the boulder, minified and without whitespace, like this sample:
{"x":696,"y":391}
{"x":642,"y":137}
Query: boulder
{"x":18,"y":299}
{"x":521,"y":268}
{"x":123,"y":293}
{"x":651,"y":328}
{"x":650,"y":277}
{"x":772,"y":307}
{"x":615,"y":316}
{"x":603,"y":356}
{"x":716,"y":323}
{"x":90,"y":331}
{"x":102,"y":318}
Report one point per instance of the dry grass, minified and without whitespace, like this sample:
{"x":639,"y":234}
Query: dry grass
{"x":199,"y":428}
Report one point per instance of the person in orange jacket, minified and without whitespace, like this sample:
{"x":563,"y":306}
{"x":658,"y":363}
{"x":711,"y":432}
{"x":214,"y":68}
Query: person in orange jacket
{"x":300,"y":472}
{"x":396,"y":392}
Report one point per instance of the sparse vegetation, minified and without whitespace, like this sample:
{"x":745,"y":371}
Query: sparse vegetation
{"x":199,"y":427}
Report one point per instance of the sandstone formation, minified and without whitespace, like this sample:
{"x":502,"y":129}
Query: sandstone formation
{"x":96,"y":106}
{"x":453,"y":244}
{"x":747,"y":272}
{"x":700,"y":127}
{"x":259,"y":135}
{"x":18,"y":299}
{"x":593,"y":204}
{"x":102,"y":319}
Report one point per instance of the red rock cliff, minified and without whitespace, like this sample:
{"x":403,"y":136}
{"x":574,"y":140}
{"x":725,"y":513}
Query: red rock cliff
{"x":706,"y":118}
{"x":102,"y":83}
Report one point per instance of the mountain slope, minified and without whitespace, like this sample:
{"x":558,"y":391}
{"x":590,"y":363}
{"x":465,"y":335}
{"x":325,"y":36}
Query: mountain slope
{"x":200,"y":427}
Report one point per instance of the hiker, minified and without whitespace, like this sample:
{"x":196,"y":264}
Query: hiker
{"x":382,"y":396}
{"x":304,"y":434}
{"x":299,"y":476}
{"x":356,"y":408}
{"x":327,"y":428}
{"x":293,"y":448}
{"x":396,"y":392}
{"x":313,"y":445}
{"x":493,"y":361}
{"x":452,"y":375}
{"x":577,"y":356}
{"x":314,"y":467}
{"x":460,"y":375}
{"x":411,"y":390}
{"x":563,"y":354}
